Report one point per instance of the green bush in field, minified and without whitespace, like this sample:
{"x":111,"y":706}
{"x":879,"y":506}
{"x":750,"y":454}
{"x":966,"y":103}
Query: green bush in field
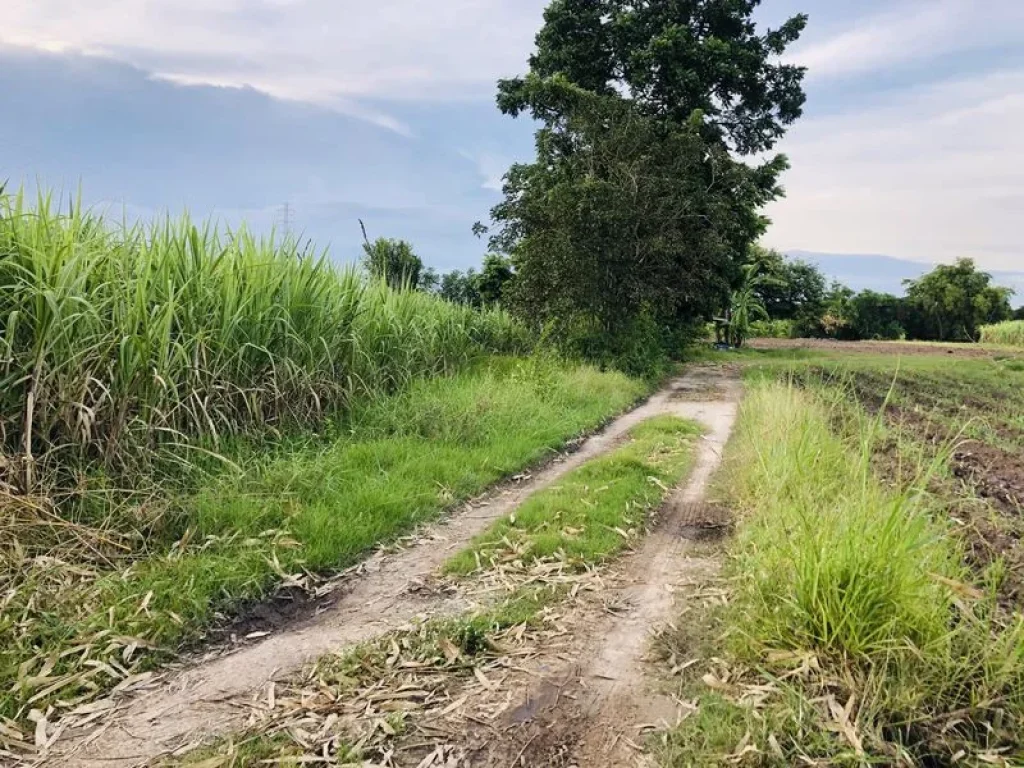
{"x":116,"y":340}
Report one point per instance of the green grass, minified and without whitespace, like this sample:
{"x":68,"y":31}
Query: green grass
{"x":583,"y":518}
{"x":1010,"y":333}
{"x":395,"y":462}
{"x":248,"y":753}
{"x":868,"y":582}
{"x":596,"y":510}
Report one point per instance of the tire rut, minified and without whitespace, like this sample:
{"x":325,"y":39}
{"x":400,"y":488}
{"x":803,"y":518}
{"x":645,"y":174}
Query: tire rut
{"x":184,"y":708}
{"x":587,"y":708}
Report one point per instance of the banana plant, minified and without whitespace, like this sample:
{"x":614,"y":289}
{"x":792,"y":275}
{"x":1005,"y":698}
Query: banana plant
{"x":745,"y":307}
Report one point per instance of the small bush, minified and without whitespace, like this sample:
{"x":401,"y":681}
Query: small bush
{"x":643,"y":348}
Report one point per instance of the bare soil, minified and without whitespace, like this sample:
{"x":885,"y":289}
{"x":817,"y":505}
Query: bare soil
{"x":183,"y":708}
{"x":987,"y":504}
{"x":874,"y":347}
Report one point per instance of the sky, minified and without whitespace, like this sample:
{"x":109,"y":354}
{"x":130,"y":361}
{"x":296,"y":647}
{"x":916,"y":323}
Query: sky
{"x":384,"y":112}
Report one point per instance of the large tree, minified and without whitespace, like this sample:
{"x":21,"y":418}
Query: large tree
{"x":636,"y":205}
{"x":952,"y":301}
{"x":623,"y":213}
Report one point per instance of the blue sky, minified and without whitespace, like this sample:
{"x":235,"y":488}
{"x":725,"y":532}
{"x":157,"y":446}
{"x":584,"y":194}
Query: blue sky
{"x":384,"y":111}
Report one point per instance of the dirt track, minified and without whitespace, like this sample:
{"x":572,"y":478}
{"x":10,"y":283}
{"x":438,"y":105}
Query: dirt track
{"x":190,"y":706}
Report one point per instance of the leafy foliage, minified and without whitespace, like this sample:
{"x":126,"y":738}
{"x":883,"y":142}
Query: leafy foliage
{"x":635,"y":217}
{"x":796,"y":290}
{"x":479,"y":289}
{"x":745,"y":306}
{"x":671,"y":59}
{"x":495,"y":276}
{"x":952,"y":302}
{"x":395,"y":262}
{"x":878,"y":315}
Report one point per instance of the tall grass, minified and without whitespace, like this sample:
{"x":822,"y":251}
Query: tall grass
{"x":853,"y":610}
{"x":115,"y":340}
{"x":1010,"y":333}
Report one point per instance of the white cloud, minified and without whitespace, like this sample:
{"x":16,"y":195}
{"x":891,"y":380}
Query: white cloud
{"x":930,"y":174}
{"x":335,"y":53}
{"x":908,"y":31}
{"x":492,"y":167}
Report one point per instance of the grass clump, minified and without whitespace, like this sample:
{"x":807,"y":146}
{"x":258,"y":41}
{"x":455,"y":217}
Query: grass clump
{"x":595,"y":511}
{"x":1010,"y":333}
{"x":392,"y":463}
{"x":853,"y":619}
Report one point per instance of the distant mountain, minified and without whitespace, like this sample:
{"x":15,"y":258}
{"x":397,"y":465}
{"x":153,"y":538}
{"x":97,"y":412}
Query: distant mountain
{"x":886,"y":273}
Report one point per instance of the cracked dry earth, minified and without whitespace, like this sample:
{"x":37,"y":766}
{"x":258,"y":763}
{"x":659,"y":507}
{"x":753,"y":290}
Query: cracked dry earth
{"x":584,"y":698}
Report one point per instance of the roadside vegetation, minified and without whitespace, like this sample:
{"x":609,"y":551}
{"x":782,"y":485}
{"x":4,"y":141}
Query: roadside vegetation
{"x":121,"y":343}
{"x":78,"y":625}
{"x":189,"y":419}
{"x":859,"y":630}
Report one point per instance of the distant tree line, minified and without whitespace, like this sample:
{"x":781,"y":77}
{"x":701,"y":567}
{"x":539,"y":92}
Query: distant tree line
{"x":950,"y":303}
{"x":636,"y":221}
{"x":397,"y":263}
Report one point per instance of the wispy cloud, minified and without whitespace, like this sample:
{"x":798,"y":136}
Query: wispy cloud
{"x":334,"y":53}
{"x":909,"y":31}
{"x":931,"y":174}
{"x":491,"y":166}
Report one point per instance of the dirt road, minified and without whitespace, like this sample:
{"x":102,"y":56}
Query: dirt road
{"x":183,"y":708}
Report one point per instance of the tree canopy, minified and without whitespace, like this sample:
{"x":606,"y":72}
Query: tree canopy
{"x":792,"y":289}
{"x":479,"y":289}
{"x":637,"y":212}
{"x":952,"y":301}
{"x":672,"y":58}
{"x":395,"y":262}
